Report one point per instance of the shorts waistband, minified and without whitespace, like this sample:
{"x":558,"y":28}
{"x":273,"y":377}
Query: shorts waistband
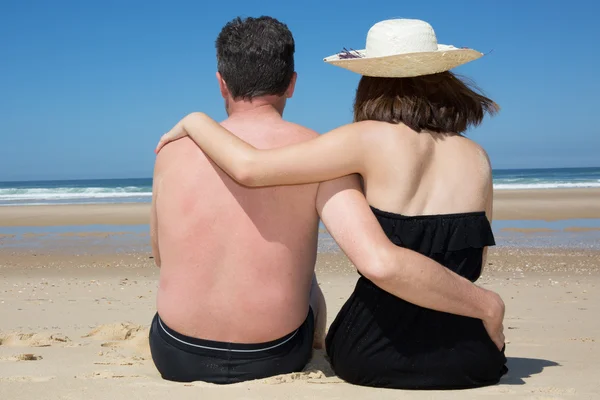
{"x":203,"y":344}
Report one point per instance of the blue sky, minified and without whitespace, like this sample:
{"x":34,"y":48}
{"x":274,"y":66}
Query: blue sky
{"x":87,"y":87}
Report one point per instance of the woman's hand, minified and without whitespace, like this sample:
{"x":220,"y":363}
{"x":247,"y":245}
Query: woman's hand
{"x":177,"y":132}
{"x":493,"y":323}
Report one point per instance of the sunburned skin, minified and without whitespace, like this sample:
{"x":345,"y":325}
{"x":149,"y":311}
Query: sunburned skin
{"x":236,"y":262}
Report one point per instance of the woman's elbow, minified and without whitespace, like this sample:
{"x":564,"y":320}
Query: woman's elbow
{"x":243,"y":178}
{"x":381,"y":268}
{"x":244,"y":172}
{"x":389,"y":270}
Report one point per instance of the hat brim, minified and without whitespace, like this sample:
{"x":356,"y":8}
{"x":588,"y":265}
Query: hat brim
{"x":407,"y":64}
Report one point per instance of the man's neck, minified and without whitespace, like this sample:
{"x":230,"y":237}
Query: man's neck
{"x":263,"y":106}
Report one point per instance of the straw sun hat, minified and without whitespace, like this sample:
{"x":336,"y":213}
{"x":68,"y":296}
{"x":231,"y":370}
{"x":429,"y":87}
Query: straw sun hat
{"x":399,"y":48}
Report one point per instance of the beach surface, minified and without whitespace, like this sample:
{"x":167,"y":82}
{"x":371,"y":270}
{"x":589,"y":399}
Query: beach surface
{"x":545,"y":204}
{"x":75,"y":306}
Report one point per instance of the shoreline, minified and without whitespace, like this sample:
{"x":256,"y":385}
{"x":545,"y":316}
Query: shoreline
{"x":526,"y":204}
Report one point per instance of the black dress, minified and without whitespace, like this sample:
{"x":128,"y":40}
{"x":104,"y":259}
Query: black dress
{"x":380,"y":340}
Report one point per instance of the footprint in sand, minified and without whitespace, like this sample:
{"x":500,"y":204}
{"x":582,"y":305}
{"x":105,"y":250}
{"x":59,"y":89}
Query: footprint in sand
{"x":22,"y":357}
{"x":554,"y":390}
{"x":122,"y":363}
{"x":106,"y":375}
{"x":122,"y":335}
{"x":13,"y":379}
{"x":116,"y":331}
{"x":305,"y":376}
{"x":35,"y":340}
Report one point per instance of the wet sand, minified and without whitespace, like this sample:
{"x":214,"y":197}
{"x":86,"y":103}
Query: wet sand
{"x":546,"y":204}
{"x":529,"y":230}
{"x":75,"y":214}
{"x":549,"y":205}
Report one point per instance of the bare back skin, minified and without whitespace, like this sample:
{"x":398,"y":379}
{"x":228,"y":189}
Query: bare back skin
{"x":236,"y":262}
{"x":426,"y":173}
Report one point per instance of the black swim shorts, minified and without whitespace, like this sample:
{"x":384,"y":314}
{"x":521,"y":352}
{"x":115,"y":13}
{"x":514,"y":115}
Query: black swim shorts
{"x":185,"y":359}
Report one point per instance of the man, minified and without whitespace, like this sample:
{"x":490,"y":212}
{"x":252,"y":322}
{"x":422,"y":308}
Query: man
{"x":237,"y":297}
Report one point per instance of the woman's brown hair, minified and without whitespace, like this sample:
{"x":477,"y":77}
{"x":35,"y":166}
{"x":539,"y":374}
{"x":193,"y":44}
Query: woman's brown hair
{"x":440,"y":103}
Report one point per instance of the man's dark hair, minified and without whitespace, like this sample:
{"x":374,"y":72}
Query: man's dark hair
{"x":255,"y":57}
{"x":440,"y":103}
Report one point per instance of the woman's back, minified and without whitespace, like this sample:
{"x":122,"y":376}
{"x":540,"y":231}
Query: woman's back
{"x":425,"y":173}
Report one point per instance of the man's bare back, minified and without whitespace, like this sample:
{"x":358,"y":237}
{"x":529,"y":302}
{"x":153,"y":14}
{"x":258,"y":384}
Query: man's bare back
{"x":236,"y":263}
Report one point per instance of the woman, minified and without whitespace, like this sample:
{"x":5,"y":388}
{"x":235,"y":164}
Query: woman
{"x":434,"y":185}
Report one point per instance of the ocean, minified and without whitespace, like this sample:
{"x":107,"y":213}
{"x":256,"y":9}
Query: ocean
{"x":140,"y":189}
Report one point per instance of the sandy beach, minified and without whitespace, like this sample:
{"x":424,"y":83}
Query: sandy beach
{"x":75,"y":306}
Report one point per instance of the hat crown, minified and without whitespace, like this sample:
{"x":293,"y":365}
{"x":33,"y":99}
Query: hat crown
{"x":400,"y":36}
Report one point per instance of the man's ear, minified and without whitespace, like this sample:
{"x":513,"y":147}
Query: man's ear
{"x":290,"y":90}
{"x":222,"y":86}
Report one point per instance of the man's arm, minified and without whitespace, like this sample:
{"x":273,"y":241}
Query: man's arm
{"x":153,"y":216}
{"x":399,"y":271}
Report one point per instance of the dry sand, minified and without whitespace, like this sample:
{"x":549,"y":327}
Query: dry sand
{"x":76,"y":327}
{"x":550,"y":204}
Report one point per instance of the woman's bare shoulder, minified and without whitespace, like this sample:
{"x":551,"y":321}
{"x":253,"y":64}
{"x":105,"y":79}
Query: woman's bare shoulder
{"x":477,"y":159}
{"x":382,"y":132}
{"x":479,"y":154}
{"x":369,"y":134}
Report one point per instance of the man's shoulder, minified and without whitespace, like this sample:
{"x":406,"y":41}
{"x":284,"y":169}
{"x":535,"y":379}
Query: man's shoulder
{"x":276,"y":126}
{"x":174,"y":153}
{"x":302,"y":131}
